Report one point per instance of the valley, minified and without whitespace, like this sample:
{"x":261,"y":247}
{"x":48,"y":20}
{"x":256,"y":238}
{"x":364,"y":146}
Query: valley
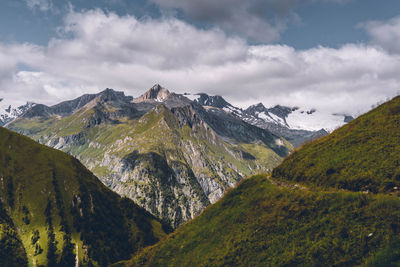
{"x":309,"y":212}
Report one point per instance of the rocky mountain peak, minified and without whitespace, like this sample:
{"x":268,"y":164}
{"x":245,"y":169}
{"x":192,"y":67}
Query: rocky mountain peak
{"x":213,"y":101}
{"x":156,"y":93}
{"x":256,"y":108}
{"x":112,"y":95}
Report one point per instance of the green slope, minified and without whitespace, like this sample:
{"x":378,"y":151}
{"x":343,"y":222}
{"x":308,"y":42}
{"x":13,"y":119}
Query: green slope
{"x":362,"y":155}
{"x":61,"y":212}
{"x":259,"y":224}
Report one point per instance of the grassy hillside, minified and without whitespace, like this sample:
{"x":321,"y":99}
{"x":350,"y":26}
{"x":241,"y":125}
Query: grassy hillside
{"x":259,"y":223}
{"x":362,"y":155}
{"x":60,"y":212}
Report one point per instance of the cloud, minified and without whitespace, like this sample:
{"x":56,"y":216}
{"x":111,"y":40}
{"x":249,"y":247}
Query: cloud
{"x":255,"y":20}
{"x":42,"y":5}
{"x":95,"y":50}
{"x":259,"y":20}
{"x":384,"y":33}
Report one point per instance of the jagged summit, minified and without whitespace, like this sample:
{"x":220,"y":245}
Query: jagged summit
{"x":256,"y":108}
{"x":214,"y":101}
{"x":116,"y":96}
{"x":281,"y":111}
{"x":156,"y":93}
{"x":258,"y":105}
{"x":204,"y":99}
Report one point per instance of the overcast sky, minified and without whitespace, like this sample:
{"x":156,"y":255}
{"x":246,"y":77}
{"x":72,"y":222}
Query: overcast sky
{"x":339,"y":56}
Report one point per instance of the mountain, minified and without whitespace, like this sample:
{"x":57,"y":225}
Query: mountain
{"x":363,"y":155}
{"x":294,"y":124}
{"x":334,"y":201}
{"x":169,"y":154}
{"x":54,"y":212}
{"x":9,"y":113}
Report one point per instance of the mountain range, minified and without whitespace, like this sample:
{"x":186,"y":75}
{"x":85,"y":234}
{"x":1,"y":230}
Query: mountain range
{"x":169,"y":154}
{"x":292,"y":123}
{"x":173,"y":154}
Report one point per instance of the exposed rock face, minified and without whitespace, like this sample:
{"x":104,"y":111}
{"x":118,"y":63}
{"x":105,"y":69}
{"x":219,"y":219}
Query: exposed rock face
{"x":156,"y":93}
{"x":169,"y":154}
{"x":348,"y":118}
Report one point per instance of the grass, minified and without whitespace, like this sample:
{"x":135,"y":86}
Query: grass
{"x":260,"y":223}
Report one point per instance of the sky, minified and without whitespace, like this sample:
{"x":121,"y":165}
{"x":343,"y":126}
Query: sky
{"x":338,"y":56}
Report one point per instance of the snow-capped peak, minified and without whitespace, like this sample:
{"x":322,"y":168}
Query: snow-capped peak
{"x":8,"y":112}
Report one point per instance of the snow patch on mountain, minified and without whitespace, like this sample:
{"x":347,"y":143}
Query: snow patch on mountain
{"x":314,"y":120}
{"x":191,"y":96}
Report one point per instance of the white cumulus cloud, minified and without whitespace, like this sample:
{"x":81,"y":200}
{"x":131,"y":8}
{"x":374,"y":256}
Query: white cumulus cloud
{"x":384,"y":33}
